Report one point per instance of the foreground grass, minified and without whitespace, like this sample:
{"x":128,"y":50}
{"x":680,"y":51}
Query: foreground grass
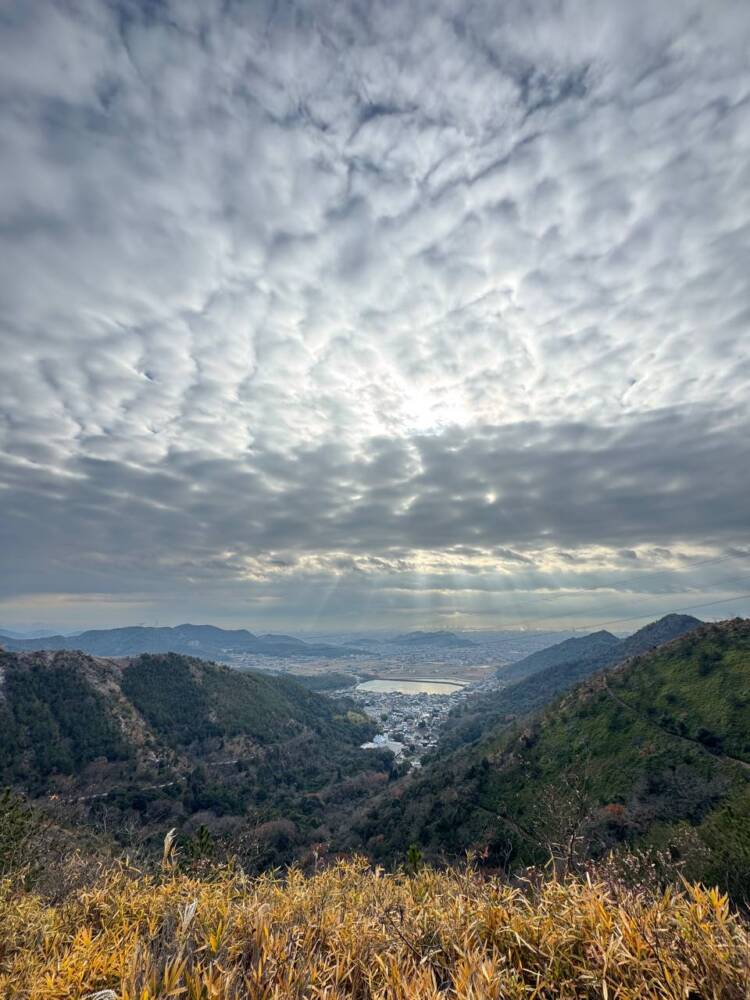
{"x":350,"y":932}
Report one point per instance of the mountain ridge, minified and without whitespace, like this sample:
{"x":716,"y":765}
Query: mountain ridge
{"x":564,"y":669}
{"x":577,"y":647}
{"x":207,"y":641}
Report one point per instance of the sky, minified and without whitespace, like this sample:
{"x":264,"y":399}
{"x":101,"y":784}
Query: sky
{"x":320,"y":314}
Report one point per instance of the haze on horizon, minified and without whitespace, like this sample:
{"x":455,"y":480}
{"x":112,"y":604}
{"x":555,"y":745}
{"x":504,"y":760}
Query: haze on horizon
{"x":352,"y":315}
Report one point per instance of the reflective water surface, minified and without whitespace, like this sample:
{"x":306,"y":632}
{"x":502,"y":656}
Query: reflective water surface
{"x":410,"y":687}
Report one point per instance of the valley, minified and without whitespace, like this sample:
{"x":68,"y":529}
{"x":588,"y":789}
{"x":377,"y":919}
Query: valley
{"x":408,"y":685}
{"x":626,"y":758}
{"x":341,"y":761}
{"x":466,"y":657}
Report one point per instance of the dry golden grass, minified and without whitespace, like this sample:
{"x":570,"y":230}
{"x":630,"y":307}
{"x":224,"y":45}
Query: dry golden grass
{"x":350,"y":932}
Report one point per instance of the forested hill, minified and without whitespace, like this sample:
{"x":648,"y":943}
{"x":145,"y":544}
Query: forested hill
{"x":586,"y":647}
{"x":206,"y":641}
{"x":158,"y":738}
{"x":551,"y":671}
{"x":654,"y":752}
{"x":600,"y":647}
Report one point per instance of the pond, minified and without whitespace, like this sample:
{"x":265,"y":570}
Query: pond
{"x":396,"y":686}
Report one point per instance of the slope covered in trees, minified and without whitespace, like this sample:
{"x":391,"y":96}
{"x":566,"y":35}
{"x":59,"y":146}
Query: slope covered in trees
{"x":52,"y":721}
{"x":537,"y":679}
{"x":135,"y":746}
{"x":655,"y":752}
{"x":586,"y":647}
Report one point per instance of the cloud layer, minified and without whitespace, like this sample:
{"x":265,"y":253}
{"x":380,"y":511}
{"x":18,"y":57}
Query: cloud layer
{"x":353,"y":311}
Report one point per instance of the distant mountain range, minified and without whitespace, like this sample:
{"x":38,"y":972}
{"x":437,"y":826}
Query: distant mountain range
{"x":418,"y":638}
{"x":32,"y":633}
{"x":206,"y":641}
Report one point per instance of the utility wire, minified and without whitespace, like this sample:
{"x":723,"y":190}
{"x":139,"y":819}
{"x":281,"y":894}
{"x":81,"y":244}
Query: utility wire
{"x":674,"y":611}
{"x":664,"y":572}
{"x":647,"y":614}
{"x":573,"y":614}
{"x":528,"y":623}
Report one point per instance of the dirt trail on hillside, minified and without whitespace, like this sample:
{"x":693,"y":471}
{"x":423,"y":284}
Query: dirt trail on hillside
{"x":726,"y":758}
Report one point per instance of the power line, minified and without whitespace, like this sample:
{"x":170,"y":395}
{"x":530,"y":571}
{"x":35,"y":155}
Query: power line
{"x":689,"y":607}
{"x":664,"y":572}
{"x":573,"y":614}
{"x":528,"y":623}
{"x":671,"y":611}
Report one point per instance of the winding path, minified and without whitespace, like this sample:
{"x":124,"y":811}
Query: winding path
{"x":726,"y":758}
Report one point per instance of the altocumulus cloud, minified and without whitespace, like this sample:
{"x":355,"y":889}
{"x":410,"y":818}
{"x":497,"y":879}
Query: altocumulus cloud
{"x":318,"y":311}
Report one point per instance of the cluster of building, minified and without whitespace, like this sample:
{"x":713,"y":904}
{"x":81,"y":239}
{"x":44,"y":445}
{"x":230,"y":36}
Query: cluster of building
{"x":410,"y":723}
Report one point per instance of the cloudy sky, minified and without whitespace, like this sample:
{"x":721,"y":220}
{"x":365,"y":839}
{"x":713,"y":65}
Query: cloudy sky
{"x":362,"y":312}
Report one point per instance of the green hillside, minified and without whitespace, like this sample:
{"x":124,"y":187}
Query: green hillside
{"x":51,"y":721}
{"x":656,"y":752}
{"x":585,"y":647}
{"x":538,"y":679}
{"x":186,"y":700}
{"x":148,"y":743}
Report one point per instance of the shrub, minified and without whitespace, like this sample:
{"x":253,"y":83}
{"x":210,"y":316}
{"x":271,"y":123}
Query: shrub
{"x":351,"y":932}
